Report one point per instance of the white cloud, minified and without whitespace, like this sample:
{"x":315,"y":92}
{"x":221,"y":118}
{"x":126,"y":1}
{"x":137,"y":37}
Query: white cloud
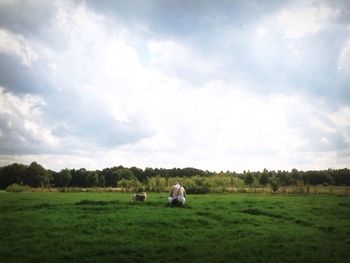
{"x":180,"y":60}
{"x":299,"y":22}
{"x":220,"y":128}
{"x":344,"y":57}
{"x":341,"y":121}
{"x":103,"y":94}
{"x":22,"y":126}
{"x":261,"y":32}
{"x":14,"y":44}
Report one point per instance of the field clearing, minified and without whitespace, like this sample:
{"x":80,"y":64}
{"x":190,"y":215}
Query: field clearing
{"x":106,"y":227}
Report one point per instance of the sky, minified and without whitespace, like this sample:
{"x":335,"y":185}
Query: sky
{"x":216,"y":85}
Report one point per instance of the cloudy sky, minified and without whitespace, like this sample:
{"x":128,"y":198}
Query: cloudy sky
{"x":218,"y":85}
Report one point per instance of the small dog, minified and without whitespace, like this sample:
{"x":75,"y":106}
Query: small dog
{"x":141,"y":197}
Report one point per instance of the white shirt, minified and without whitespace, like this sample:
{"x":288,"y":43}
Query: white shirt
{"x":177,"y":190}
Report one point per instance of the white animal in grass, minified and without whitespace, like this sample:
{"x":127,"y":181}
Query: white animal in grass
{"x":140,"y":197}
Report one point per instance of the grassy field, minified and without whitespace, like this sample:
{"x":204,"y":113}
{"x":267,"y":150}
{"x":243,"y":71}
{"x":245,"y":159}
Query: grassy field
{"x":106,"y":227}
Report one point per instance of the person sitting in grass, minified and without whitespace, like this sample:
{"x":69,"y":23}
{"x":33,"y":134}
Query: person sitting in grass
{"x":177,"y":195}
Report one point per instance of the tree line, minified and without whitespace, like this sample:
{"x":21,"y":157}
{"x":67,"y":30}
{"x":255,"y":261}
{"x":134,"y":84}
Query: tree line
{"x":35,"y":175}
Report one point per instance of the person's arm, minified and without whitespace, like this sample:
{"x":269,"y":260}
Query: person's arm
{"x":184,"y":192}
{"x":171,"y":193}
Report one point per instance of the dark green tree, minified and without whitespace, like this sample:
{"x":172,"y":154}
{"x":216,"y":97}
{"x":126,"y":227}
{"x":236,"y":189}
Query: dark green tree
{"x":284,"y":178}
{"x":125,"y":174}
{"x":62,"y":178}
{"x":149,"y":172}
{"x":342,"y":176}
{"x":101,"y":180}
{"x":36,"y":176}
{"x":138,"y":173}
{"x":79,"y":178}
{"x":110,"y":177}
{"x":264,"y":179}
{"x":274,"y":184}
{"x":248,"y":179}
{"x":92,"y":179}
{"x":13,"y":173}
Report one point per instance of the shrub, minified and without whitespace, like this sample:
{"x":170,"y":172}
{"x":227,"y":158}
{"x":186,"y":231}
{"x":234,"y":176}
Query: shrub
{"x":157,"y":184}
{"x":132,"y":185}
{"x":16,"y":188}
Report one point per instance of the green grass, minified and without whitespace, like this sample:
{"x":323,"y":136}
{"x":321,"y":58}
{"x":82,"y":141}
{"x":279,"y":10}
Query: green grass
{"x":106,"y":227}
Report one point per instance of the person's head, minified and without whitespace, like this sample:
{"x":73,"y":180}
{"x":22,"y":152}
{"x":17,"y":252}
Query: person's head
{"x":176,"y":183}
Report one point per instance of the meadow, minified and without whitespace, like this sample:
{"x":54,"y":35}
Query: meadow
{"x":236,"y":227}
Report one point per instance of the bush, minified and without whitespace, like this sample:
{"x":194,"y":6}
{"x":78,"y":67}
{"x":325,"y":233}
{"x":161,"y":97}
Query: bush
{"x":132,"y":184}
{"x":157,"y":184}
{"x":16,"y":188}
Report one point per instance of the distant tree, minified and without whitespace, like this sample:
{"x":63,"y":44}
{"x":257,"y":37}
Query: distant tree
{"x":92,"y":179}
{"x":125,"y":173}
{"x":317,"y":177}
{"x":274,"y":184}
{"x":79,"y":178}
{"x":73,"y":181}
{"x":329,"y":179}
{"x":101,"y":180}
{"x":36,"y":176}
{"x":190,"y":171}
{"x":62,"y":178}
{"x":284,"y":178}
{"x":342,"y":176}
{"x":295,"y":175}
{"x":248,"y":178}
{"x":52,"y":174}
{"x":149,"y":172}
{"x":110,"y":177}
{"x":138,"y":173}
{"x":13,"y":173}
{"x":264,"y":179}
